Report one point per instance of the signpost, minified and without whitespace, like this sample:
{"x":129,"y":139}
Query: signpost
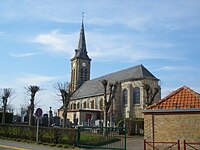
{"x":38,"y":115}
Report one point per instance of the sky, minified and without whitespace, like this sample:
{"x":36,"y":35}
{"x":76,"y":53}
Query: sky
{"x":38,"y":39}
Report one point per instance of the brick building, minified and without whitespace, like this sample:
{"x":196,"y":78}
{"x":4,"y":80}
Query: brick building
{"x":175,"y":117}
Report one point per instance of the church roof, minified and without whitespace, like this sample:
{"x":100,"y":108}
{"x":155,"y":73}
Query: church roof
{"x":182,"y":98}
{"x":81,"y":52}
{"x":94,"y":87}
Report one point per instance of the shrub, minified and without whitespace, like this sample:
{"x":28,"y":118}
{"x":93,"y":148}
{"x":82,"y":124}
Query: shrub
{"x":46,"y":134}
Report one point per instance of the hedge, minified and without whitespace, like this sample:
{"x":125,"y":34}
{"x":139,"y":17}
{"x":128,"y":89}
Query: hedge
{"x":8,"y":117}
{"x":46,"y":134}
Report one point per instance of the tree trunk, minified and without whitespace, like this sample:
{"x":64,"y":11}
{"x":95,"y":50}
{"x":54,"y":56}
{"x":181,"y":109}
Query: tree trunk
{"x":4,"y":115}
{"x":105,"y":122}
{"x":64,"y":118}
{"x":30,"y":118}
{"x":31,"y":113}
{"x":4,"y":110}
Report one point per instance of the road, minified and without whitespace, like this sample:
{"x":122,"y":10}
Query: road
{"x":133,"y":143}
{"x":14,"y":145}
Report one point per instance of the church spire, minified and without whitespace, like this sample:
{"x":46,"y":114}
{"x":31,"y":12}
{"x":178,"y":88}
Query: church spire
{"x":82,"y":43}
{"x":81,"y":52}
{"x":80,"y":63}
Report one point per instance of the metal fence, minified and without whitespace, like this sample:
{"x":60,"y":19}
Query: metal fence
{"x":101,"y":137}
{"x":161,"y":145}
{"x":191,"y":145}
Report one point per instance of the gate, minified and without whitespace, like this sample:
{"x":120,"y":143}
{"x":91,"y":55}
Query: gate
{"x":192,"y":146}
{"x":101,"y":137}
{"x":161,"y":145}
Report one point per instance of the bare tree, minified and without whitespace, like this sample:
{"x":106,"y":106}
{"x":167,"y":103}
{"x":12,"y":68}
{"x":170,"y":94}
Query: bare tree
{"x":151,"y":91}
{"x":110,"y":90}
{"x":65,"y":93}
{"x":32,"y":89}
{"x":7,"y":93}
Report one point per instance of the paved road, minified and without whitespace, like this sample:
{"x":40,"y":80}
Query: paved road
{"x":28,"y":146}
{"x":133,"y":143}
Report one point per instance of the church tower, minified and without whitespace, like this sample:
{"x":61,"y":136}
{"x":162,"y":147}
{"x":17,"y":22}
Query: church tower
{"x":80,"y":63}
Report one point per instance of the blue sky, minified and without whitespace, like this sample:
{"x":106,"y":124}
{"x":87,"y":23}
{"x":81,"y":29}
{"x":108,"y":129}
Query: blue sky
{"x":38,"y":38}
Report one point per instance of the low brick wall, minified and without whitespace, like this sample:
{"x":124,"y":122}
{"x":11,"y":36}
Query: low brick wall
{"x":170,"y":127}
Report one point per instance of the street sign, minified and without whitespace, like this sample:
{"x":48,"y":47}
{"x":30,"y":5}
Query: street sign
{"x":38,"y":113}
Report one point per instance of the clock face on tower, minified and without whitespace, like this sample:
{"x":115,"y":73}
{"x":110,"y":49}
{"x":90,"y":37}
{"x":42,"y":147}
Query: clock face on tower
{"x":83,"y":64}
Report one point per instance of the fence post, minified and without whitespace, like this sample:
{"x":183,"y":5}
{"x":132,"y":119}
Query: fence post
{"x":184,"y":144}
{"x":144,"y":144}
{"x":78,"y":136}
{"x":179,"y":145}
{"x":125,"y":138}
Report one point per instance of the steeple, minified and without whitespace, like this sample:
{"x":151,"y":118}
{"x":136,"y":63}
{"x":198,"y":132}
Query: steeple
{"x":82,"y":44}
{"x":81,"y":52}
{"x":80,"y":63}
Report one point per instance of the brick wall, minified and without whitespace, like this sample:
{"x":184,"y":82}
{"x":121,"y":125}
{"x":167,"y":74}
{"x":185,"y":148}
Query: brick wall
{"x":172,"y":127}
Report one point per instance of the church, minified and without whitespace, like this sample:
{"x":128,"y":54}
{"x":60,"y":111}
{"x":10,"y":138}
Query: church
{"x":87,"y":102}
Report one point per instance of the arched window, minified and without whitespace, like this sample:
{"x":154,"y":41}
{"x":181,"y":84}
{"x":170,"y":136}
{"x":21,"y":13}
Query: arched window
{"x":78,"y":105}
{"x":101,"y":104}
{"x":125,"y":96}
{"x":74,"y":105}
{"x":92,"y":104}
{"x":136,"y":95}
{"x":84,"y":105}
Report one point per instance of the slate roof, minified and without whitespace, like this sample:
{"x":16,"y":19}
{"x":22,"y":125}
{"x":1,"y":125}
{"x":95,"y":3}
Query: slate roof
{"x":182,"y":98}
{"x":94,"y":87}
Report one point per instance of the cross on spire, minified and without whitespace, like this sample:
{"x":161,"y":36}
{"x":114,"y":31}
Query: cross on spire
{"x":82,"y":17}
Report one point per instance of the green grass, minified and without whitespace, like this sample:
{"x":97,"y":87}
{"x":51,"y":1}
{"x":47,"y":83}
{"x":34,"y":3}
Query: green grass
{"x":97,"y":141}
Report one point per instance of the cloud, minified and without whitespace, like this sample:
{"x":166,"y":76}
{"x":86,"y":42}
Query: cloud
{"x":106,"y":46}
{"x":168,"y":68}
{"x":56,"y":42}
{"x":34,"y":79}
{"x":44,"y":98}
{"x":126,"y":47}
{"x":22,"y":55}
{"x":132,"y":13}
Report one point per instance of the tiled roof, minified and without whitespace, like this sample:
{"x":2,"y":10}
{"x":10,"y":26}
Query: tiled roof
{"x":182,"y":98}
{"x":94,"y":87}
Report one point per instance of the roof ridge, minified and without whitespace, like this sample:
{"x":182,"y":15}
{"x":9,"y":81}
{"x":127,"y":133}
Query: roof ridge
{"x":115,"y":72}
{"x":137,"y":66}
{"x":195,"y":94}
{"x":167,"y":97}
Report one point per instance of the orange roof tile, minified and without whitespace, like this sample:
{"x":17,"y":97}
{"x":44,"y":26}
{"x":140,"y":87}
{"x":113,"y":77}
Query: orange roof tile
{"x":182,"y":98}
